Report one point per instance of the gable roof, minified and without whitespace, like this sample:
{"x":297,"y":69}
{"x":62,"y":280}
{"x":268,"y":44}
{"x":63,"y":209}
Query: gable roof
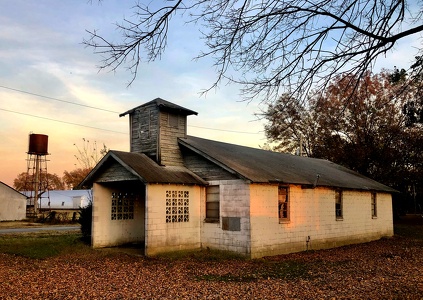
{"x":163,"y":105}
{"x":9,"y":187}
{"x":145,"y":169}
{"x":262,"y":166}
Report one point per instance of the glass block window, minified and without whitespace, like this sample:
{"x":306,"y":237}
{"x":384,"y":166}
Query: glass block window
{"x":123,"y":206}
{"x":177,"y":206}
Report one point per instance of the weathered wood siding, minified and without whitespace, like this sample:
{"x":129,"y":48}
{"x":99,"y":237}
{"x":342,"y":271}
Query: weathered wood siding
{"x":172,"y":127}
{"x":205,"y":168}
{"x":156,"y":134}
{"x":115,"y":172}
{"x":144,"y":130}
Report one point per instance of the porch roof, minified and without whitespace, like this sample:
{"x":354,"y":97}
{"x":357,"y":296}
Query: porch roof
{"x":262,"y":166}
{"x":145,"y":169}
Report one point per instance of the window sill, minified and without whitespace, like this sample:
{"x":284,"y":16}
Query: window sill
{"x":374,"y":217}
{"x":340,"y":219}
{"x":284,"y":221}
{"x":211,"y":220}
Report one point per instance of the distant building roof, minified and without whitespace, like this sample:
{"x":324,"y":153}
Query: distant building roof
{"x":64,"y":199}
{"x":262,"y":166}
{"x":163,"y":105}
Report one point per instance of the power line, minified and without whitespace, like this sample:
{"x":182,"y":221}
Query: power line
{"x":92,"y":127}
{"x":59,"y":121}
{"x":97,"y":108}
{"x":55,"y":99}
{"x":234,"y":131}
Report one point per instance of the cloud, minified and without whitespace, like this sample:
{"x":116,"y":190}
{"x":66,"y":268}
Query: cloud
{"x":41,"y":52}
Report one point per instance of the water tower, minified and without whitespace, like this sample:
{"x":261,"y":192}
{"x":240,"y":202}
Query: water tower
{"x":37,"y":180}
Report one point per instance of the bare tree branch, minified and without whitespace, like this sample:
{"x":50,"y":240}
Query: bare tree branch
{"x":269,"y":47}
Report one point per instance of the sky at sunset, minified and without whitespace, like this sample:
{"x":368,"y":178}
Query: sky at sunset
{"x":50,"y":84}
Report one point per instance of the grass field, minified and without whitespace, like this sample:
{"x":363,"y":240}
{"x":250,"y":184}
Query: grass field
{"x":43,"y":245}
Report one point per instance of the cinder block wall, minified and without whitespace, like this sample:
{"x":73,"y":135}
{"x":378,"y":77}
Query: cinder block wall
{"x":234,"y":203}
{"x":313,"y":224}
{"x":107,"y":232}
{"x":162,"y":236}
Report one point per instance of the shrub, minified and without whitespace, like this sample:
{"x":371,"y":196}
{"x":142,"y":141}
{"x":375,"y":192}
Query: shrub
{"x":85,"y":219}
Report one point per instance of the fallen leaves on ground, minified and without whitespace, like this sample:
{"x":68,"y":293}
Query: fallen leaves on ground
{"x":385,"y":269}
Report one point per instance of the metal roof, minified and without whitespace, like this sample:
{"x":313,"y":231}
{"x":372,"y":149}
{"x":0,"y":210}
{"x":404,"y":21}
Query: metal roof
{"x":66,"y":199}
{"x":262,"y":166}
{"x":163,"y":105}
{"x":147,"y":170}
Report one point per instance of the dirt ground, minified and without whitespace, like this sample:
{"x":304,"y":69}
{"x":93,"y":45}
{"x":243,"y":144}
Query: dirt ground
{"x":390,"y":268}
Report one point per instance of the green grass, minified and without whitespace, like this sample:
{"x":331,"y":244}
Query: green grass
{"x":41,"y":246}
{"x":45,"y":245}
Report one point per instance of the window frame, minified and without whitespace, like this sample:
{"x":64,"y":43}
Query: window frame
{"x":211,"y":190}
{"x":373,"y":203}
{"x":284,"y":207}
{"x":122,"y":206}
{"x":339,"y":201}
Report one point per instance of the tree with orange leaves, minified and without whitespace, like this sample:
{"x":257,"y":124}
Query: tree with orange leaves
{"x":360,"y":126}
{"x":23,"y":182}
{"x":74,"y":177}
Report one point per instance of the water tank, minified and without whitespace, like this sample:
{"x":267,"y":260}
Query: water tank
{"x":38,"y":144}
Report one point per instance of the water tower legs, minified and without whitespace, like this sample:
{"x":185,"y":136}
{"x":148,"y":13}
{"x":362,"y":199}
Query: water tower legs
{"x":37,"y":182}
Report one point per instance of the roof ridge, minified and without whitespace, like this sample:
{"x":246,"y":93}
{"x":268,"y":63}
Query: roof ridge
{"x":161,"y":103}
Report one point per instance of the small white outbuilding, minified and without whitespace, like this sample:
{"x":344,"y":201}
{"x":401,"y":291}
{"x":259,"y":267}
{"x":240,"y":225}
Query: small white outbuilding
{"x":12,"y":204}
{"x":65,"y":200}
